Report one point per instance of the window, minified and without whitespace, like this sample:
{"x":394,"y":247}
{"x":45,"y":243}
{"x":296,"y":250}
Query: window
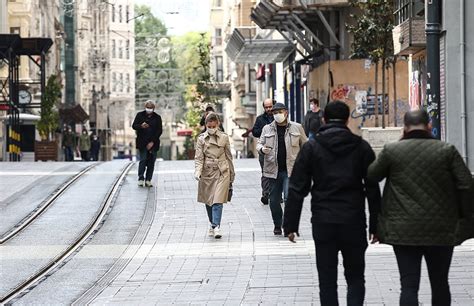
{"x":127,"y":49}
{"x":127,"y":13}
{"x":218,"y":36}
{"x":127,"y":82}
{"x":114,"y":54}
{"x":15,"y":30}
{"x":120,"y":13}
{"x":113,"y":13}
{"x":219,"y":69}
{"x":406,"y":9}
{"x":120,"y":49}
{"x":120,"y":82}
{"x":252,"y":80}
{"x":114,"y":81}
{"x":217,"y":3}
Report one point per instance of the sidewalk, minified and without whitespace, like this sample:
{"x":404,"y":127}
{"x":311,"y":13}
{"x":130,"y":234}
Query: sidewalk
{"x":179,"y":263}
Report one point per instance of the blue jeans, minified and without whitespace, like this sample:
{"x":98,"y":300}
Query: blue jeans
{"x":278,"y":185}
{"x":214,"y":213}
{"x":147,"y":161}
{"x":68,"y":153}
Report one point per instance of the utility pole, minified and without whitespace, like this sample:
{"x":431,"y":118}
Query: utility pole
{"x":433,"y":30}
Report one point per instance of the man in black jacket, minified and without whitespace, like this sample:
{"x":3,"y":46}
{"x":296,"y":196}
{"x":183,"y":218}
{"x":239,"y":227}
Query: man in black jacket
{"x":313,"y":118}
{"x":260,"y":122}
{"x":148,"y":125}
{"x":333,"y":166}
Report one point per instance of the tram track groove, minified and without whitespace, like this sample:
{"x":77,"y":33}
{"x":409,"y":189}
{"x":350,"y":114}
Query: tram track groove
{"x":59,"y":260}
{"x":9,"y":234}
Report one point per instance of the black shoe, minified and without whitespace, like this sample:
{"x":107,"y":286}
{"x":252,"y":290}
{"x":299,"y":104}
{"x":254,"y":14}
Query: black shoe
{"x":277,"y":231}
{"x":264,"y":200}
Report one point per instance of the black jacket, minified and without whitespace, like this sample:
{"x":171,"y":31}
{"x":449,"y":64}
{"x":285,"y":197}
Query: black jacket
{"x":334,"y":168}
{"x":260,"y":122}
{"x":312,"y":121}
{"x":152,"y":133}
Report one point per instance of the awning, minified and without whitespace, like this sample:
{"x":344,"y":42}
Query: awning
{"x":292,"y":23}
{"x":74,"y":114}
{"x":243,"y":48}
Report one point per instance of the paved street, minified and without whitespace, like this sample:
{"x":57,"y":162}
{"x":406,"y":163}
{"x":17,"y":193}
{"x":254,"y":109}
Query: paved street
{"x":175,"y":261}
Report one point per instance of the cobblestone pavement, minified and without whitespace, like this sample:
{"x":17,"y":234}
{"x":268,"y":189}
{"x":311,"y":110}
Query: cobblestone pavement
{"x":179,"y":263}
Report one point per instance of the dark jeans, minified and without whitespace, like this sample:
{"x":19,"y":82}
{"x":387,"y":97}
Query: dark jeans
{"x":214,"y":213}
{"x":85,"y":155}
{"x":68,"y":154}
{"x":351,"y":241}
{"x":95,"y":155}
{"x":278,"y":185}
{"x":147,"y":161}
{"x":438,"y":261}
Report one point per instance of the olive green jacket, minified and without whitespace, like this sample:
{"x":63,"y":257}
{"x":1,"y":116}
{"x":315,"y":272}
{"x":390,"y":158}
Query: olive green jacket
{"x":425,"y":181}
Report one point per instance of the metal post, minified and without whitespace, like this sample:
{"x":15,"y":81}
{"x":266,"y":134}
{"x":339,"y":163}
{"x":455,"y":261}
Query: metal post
{"x":433,"y":31}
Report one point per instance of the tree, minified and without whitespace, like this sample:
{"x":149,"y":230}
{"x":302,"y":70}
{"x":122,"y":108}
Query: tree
{"x":372,"y":31}
{"x":49,"y":120}
{"x":192,"y":54}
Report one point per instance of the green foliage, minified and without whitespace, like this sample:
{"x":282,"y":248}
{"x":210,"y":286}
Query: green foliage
{"x":148,"y":24}
{"x":49,"y":120}
{"x":372,"y":29}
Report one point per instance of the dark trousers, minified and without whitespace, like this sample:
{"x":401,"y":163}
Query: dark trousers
{"x":68,"y":153}
{"x":147,"y":162}
{"x":85,"y":155}
{"x":438,"y":261}
{"x":351,"y":241}
{"x":278,"y":186}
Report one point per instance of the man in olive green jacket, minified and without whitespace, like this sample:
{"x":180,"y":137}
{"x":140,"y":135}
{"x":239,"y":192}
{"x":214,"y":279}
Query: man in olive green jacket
{"x":421,"y":209}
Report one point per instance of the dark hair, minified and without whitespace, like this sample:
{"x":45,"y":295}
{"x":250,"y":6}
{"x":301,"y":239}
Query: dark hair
{"x":416,"y":117}
{"x":209,"y":109}
{"x":336,"y":111}
{"x":212,"y":117}
{"x":314,"y":101}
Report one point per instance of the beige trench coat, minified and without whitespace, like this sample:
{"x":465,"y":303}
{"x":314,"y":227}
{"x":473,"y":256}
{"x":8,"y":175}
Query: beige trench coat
{"x":214,"y":166}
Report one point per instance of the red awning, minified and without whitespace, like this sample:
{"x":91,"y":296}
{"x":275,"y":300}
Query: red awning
{"x":186,"y":132}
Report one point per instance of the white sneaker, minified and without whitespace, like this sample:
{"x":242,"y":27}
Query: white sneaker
{"x":217,"y":232}
{"x":148,"y":184}
{"x":141,"y":183}
{"x":211,"y":231}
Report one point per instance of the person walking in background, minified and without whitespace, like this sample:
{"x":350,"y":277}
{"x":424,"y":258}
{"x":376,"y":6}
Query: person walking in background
{"x":333,"y":166}
{"x":84,"y":145}
{"x":280,"y":142}
{"x":68,"y":144}
{"x":260,"y":122}
{"x":425,"y":202}
{"x":313,"y":118}
{"x":95,"y":148}
{"x":148,"y":126}
{"x":214,"y":170}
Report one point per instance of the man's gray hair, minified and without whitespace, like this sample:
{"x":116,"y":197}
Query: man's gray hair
{"x":416,"y":117}
{"x":149,"y":102}
{"x":212,"y":117}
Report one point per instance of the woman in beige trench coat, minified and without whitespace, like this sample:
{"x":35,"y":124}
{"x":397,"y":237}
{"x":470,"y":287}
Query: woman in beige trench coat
{"x":214,"y":170}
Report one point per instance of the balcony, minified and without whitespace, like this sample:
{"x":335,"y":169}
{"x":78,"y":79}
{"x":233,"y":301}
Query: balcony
{"x":409,"y":33}
{"x":409,"y":37}
{"x":315,"y":3}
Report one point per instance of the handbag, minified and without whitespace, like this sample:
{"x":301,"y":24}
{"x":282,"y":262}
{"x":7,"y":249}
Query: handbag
{"x":229,"y":194}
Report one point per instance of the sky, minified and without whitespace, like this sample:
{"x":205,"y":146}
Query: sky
{"x":181,"y":16}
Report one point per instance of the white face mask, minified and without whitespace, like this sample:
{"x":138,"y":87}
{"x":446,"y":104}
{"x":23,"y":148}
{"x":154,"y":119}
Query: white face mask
{"x":149,"y":110}
{"x":211,"y":131}
{"x":279,"y":118}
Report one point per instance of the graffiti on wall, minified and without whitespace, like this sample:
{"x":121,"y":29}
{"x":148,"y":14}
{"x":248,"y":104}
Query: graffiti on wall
{"x":341,"y":92}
